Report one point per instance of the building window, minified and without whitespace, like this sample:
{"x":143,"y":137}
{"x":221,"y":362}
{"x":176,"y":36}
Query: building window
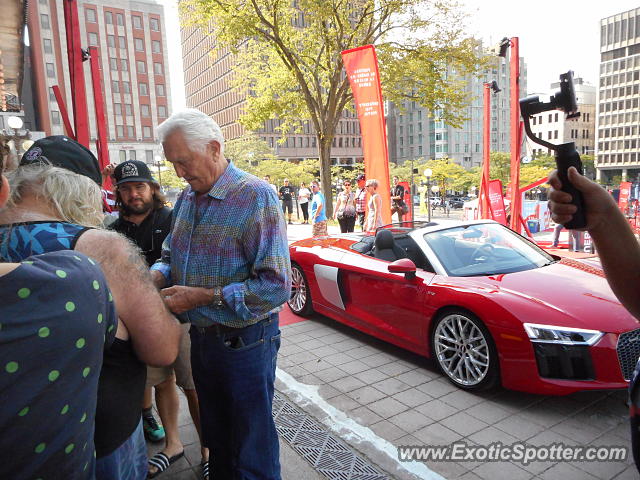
{"x":113,"y":63}
{"x":52,"y":95}
{"x":93,"y":39}
{"x":108,"y":18}
{"x":126,"y":87}
{"x":122,"y":42}
{"x":90,"y":15}
{"x":155,"y":46}
{"x":137,"y":22}
{"x":155,"y":24}
{"x":111,"y":41}
{"x":119,"y":19}
{"x":122,"y":153}
{"x":144,"y":90}
{"x":555,"y":133}
{"x":157,"y":68}
{"x":148,"y":155}
{"x":162,"y":112}
{"x":115,"y":86}
{"x":139,"y":44}
{"x":44,"y":20}
{"x":141,"y":66}
{"x":47,"y":46}
{"x":146,"y":132}
{"x":51,"y":71}
{"x":124,"y":65}
{"x":55,"y":117}
{"x":145,"y":110}
{"x":160,"y":89}
{"x":127,"y":109}
{"x":132,"y":154}
{"x":130,"y":131}
{"x":120,"y":133}
{"x":117,"y":108}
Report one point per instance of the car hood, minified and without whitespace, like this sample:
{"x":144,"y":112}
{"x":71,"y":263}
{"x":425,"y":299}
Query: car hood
{"x":570,"y":292}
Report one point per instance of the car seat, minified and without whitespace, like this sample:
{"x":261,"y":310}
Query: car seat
{"x":385,"y":247}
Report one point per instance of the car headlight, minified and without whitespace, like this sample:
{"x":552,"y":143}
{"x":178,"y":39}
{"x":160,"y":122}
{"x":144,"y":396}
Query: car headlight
{"x":561,"y":335}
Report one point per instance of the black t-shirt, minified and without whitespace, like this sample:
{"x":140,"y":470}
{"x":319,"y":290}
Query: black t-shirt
{"x":398,"y":191}
{"x":149,"y":235}
{"x":286,"y":192}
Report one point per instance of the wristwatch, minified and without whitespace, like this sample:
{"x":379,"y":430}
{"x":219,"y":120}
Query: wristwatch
{"x":218,"y":300}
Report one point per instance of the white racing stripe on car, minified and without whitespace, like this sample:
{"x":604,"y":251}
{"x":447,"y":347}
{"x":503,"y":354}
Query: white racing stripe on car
{"x":327,"y":280}
{"x":347,"y":428}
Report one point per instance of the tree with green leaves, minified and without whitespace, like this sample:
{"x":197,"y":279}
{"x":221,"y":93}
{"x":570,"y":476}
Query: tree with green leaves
{"x":289,"y":66}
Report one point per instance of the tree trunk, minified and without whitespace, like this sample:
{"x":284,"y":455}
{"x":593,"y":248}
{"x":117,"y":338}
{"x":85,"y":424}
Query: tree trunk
{"x":324,"y":149}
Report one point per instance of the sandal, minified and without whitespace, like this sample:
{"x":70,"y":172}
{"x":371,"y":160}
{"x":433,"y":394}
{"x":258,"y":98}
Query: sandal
{"x":162,"y":462}
{"x":204,"y":465}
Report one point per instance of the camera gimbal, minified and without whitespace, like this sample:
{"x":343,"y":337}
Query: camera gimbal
{"x":566,"y":154}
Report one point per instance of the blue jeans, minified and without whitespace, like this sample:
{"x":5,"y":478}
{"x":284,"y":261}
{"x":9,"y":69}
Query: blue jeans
{"x":127,"y":462}
{"x":234,"y":373}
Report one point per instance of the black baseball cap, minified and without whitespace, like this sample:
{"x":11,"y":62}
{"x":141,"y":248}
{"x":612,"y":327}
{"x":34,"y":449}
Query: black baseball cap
{"x":132,"y":171}
{"x":64,"y":152}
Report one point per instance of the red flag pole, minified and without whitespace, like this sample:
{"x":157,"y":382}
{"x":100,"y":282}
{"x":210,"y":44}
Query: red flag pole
{"x":101,"y":141}
{"x":76,"y":73}
{"x":516,"y":199}
{"x":63,"y":112}
{"x":483,"y":196}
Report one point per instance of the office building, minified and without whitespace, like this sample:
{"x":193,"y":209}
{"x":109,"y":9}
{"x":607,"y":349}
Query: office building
{"x":130,"y":36}
{"x":416,"y":133}
{"x":208,"y":87}
{"x":618,"y":123}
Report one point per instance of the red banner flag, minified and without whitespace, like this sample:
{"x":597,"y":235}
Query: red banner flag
{"x":623,"y":199}
{"x":496,"y":200}
{"x":361,"y":65}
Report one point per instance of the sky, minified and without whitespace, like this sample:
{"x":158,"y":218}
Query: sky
{"x":555,"y":36}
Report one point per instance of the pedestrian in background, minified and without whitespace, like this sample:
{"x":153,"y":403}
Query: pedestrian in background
{"x":318,"y":211}
{"x":286,"y":195}
{"x":397,"y":199}
{"x":345,"y":211}
{"x":304,"y":194}
{"x":374,"y":219}
{"x":361,"y":201}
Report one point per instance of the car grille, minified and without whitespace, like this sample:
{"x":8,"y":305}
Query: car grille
{"x":628,"y":352}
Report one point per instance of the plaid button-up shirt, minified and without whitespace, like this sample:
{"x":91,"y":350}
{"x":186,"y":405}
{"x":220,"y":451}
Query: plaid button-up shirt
{"x":233,"y":237}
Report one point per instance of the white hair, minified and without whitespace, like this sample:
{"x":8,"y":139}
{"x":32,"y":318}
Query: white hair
{"x":197,"y":127}
{"x":73,"y":197}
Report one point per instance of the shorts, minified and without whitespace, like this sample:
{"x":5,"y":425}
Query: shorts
{"x":287,"y":205}
{"x":320,"y":228}
{"x":181,"y":367}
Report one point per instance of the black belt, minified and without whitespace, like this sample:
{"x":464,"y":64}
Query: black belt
{"x":219,"y":329}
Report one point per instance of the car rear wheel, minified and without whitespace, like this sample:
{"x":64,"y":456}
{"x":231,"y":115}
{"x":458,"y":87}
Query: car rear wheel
{"x":300,"y":300}
{"x":464,"y":350}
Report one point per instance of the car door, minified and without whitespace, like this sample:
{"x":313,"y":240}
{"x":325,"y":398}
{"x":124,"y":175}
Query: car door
{"x":384,"y":304}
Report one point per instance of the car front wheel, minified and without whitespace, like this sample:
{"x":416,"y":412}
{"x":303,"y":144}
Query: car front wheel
{"x":300,"y":300}
{"x":464,"y":350}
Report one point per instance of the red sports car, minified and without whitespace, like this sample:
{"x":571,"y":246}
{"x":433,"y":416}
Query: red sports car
{"x":485,"y":303}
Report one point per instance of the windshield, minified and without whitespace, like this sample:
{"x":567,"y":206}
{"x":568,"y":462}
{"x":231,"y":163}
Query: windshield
{"x":484,"y":249}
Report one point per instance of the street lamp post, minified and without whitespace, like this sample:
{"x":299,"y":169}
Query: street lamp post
{"x":158,"y":164}
{"x":427,"y":173}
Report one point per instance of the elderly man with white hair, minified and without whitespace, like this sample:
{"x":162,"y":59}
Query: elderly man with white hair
{"x":227,"y":260}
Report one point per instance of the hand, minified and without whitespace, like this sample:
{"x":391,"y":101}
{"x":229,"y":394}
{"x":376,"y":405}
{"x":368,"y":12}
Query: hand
{"x":598,"y":203}
{"x":108,"y":170}
{"x":179,"y":299}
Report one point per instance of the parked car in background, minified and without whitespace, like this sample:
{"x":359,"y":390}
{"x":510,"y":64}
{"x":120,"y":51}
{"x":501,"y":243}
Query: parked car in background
{"x":456,"y":202}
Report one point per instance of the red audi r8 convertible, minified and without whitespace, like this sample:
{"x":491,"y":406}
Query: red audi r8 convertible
{"x":486,"y":304}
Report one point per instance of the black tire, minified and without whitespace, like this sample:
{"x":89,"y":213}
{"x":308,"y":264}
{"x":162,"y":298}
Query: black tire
{"x":464,"y":351}
{"x":300,"y":300}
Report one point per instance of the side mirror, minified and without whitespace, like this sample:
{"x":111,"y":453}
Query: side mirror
{"x":404,"y":265}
